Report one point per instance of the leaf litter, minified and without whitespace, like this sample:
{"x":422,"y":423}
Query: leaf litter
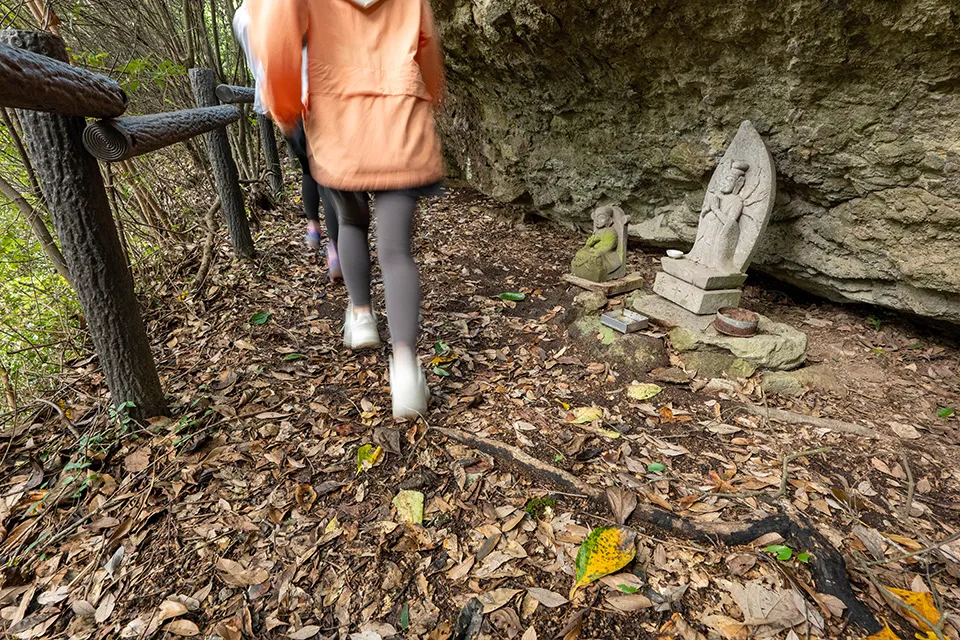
{"x":265,"y":508}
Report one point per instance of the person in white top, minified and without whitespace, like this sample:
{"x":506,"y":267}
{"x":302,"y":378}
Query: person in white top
{"x":311,"y":193}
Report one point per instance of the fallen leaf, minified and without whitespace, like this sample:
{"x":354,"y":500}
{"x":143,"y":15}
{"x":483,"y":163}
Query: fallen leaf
{"x":727,"y":627}
{"x":462,"y":570}
{"x":105,"y":608}
{"x":585,"y":415}
{"x":368,"y":456}
{"x":305,"y":495}
{"x":234,"y":574}
{"x":305,"y":632}
{"x":184,"y":628}
{"x":547,"y":598}
{"x":606,"y":549}
{"x":922,"y":601}
{"x":906,"y":431}
{"x":409,"y":506}
{"x":170,"y":609}
{"x":493,"y":600}
{"x":529,"y":634}
{"x":622,"y":503}
{"x":628,"y":603}
{"x":643,"y":391}
{"x":884,"y":634}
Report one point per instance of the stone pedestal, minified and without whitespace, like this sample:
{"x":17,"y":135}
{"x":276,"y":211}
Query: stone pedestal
{"x":693,"y":298}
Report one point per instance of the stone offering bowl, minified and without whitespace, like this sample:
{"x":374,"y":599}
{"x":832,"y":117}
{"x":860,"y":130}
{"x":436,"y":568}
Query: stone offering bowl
{"x":734,"y":321}
{"x":674,"y":253}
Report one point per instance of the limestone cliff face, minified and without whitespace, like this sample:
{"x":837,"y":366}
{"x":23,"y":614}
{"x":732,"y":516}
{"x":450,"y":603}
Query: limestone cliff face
{"x":567,"y":104}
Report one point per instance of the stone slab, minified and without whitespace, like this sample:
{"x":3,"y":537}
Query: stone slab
{"x":701,"y":276}
{"x":693,"y":298}
{"x":626,"y":284}
{"x":777,"y":346}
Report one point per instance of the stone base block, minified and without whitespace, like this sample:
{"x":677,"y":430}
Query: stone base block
{"x":776,"y":346}
{"x":626,"y":284}
{"x":693,"y":298}
{"x":700,"y":276}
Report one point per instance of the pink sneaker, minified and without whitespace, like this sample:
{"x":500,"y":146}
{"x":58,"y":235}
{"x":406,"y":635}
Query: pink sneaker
{"x":333,"y":262}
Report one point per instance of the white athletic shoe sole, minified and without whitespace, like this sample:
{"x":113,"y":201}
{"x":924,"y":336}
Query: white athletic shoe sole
{"x":360,"y":331}
{"x":409,"y":389}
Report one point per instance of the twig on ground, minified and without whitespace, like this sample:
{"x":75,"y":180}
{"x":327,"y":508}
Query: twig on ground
{"x":920,"y":552}
{"x":789,"y":417}
{"x":911,"y":486}
{"x":784,"y":475}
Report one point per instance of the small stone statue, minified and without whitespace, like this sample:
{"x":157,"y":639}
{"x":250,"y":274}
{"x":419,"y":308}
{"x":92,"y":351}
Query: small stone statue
{"x":604,"y":256}
{"x":737,"y":206}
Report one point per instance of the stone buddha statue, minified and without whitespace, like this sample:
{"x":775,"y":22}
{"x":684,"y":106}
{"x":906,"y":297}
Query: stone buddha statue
{"x":603,"y":256}
{"x":718,"y":233}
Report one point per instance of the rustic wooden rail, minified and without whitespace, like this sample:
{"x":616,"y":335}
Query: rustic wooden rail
{"x":53,"y":99}
{"x":124,"y":138}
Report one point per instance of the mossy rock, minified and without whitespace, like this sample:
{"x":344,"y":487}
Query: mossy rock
{"x":638,"y":351}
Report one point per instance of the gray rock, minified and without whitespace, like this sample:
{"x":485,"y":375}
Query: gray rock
{"x":776,"y":346}
{"x":562,"y":114}
{"x":590,"y":301}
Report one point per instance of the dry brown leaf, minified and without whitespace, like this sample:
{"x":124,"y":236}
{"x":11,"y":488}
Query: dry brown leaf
{"x":138,"y":460}
{"x":628,"y":603}
{"x":170,"y":609}
{"x":304,"y":633}
{"x":183,"y":627}
{"x":493,"y":600}
{"x":105,"y":608}
{"x":546,"y":597}
{"x":529,"y":634}
{"x":235,"y":575}
{"x":461,"y":571}
{"x":622,"y":503}
{"x":727,"y":627}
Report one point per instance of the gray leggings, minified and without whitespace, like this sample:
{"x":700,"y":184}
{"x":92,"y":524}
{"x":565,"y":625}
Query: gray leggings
{"x":395,"y":213}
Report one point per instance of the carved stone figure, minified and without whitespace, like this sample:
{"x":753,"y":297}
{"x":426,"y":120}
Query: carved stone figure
{"x":735,"y":212}
{"x":604,"y":255}
{"x":737,"y":206}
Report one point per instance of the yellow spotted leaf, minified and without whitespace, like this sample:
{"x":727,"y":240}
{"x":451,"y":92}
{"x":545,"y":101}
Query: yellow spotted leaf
{"x":606,"y":549}
{"x":368,"y":456}
{"x":409,"y":506}
{"x":585,"y":415}
{"x":923,"y":603}
{"x":643,"y":391}
{"x":884,"y":634}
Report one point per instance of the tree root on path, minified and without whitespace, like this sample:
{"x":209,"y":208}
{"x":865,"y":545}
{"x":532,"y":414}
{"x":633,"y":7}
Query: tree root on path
{"x":826,"y":563}
{"x":789,"y":417}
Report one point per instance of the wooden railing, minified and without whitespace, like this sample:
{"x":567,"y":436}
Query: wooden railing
{"x":54,"y":98}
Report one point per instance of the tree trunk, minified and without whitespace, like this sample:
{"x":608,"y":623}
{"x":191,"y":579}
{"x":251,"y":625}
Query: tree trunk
{"x":224,"y":168}
{"x":39,"y":227}
{"x":271,"y":154}
{"x":73,"y":187}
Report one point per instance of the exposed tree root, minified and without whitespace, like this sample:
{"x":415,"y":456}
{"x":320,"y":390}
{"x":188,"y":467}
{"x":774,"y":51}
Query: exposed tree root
{"x":789,"y":417}
{"x":826,"y":563}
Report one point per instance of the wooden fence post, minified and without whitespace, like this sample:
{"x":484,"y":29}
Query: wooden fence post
{"x":225,"y":172}
{"x":73,"y":187}
{"x":268,"y":140}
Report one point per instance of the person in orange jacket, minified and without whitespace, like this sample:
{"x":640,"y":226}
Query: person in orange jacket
{"x":375,"y":73}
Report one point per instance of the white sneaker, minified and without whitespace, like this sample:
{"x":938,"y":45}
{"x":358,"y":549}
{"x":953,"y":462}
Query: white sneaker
{"x":408,"y":385}
{"x":360,"y":330}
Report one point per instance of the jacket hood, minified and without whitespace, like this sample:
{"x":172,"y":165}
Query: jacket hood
{"x":364,"y":4}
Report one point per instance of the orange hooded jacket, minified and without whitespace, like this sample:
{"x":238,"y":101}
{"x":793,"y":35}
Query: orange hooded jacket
{"x":375,"y":72}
